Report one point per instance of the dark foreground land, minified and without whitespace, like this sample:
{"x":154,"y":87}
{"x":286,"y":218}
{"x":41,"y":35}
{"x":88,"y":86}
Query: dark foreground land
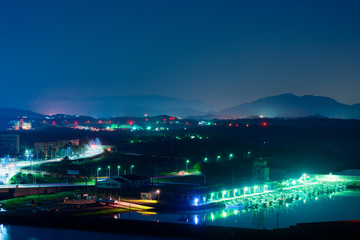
{"x":330,"y":230}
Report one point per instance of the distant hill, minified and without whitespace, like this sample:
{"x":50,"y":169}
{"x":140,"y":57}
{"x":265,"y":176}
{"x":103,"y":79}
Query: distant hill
{"x":289,"y":105}
{"x":135,"y":105}
{"x":14,"y":113}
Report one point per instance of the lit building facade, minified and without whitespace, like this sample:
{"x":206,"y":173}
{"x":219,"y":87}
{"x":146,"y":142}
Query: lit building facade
{"x":22,"y":125}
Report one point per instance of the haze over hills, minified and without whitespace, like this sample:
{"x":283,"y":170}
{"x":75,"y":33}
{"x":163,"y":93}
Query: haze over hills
{"x":284,"y":105}
{"x":135,"y":105}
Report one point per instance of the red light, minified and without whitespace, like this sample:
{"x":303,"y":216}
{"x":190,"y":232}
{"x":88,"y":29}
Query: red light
{"x":237,"y":125}
{"x":164,"y":119}
{"x":21,"y":120}
{"x":131,"y":122}
{"x":264,"y":124}
{"x":76,"y":122}
{"x":247,"y":125}
{"x":147,"y":119}
{"x":230,"y":124}
{"x":53,"y":122}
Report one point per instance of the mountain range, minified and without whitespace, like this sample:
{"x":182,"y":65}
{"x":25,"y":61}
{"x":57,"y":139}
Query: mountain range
{"x":289,"y":105}
{"x":284,"y":105}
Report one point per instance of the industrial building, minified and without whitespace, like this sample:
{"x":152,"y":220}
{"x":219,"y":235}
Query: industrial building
{"x":9,"y":143}
{"x":50,"y":149}
{"x":124,"y":181}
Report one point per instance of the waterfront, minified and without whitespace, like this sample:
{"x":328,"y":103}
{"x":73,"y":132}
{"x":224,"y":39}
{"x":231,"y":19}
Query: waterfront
{"x":339,"y":206}
{"x":13,"y":232}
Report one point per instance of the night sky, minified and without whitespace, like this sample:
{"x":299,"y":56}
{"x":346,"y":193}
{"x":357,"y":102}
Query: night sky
{"x":221,"y":52}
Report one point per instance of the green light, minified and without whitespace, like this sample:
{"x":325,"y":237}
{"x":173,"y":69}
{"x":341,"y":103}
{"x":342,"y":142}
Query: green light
{"x":249,"y":153}
{"x":187,"y":161}
{"x":108,"y":166}
{"x":119,"y":167}
{"x":99,"y":168}
{"x":205,"y":159}
{"x":132,"y":166}
{"x":231,"y":155}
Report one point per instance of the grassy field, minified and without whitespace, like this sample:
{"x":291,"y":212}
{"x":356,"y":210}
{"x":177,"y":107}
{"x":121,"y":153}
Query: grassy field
{"x":19,"y":202}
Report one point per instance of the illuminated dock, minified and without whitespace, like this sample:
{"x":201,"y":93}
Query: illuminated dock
{"x":272,"y":193}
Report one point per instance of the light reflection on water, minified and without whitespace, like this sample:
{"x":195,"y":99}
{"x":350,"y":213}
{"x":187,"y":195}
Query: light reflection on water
{"x":335,"y":207}
{"x":13,"y":232}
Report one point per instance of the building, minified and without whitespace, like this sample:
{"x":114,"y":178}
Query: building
{"x":124,"y":181}
{"x":50,"y":149}
{"x":22,"y":125}
{"x":9,"y":143}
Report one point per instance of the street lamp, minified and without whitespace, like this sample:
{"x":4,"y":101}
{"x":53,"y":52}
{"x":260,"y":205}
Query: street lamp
{"x":109,"y":171}
{"x":186,"y":163}
{"x":231,"y":156}
{"x":158,"y":193}
{"x":131,"y":168}
{"x":248,"y":154}
{"x":119,"y":170}
{"x":217,"y":158}
{"x":97,"y":173}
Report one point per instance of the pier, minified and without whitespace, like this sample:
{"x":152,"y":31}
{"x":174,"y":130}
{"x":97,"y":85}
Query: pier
{"x":273,"y":193}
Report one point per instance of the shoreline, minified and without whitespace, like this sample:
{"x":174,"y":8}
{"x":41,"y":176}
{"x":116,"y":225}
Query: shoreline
{"x":178,"y":230}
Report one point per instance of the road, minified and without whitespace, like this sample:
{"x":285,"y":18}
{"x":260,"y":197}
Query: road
{"x":7,"y":172}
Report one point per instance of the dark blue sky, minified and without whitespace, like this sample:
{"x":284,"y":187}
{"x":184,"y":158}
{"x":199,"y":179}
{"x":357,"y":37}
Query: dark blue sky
{"x":222,"y":52}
